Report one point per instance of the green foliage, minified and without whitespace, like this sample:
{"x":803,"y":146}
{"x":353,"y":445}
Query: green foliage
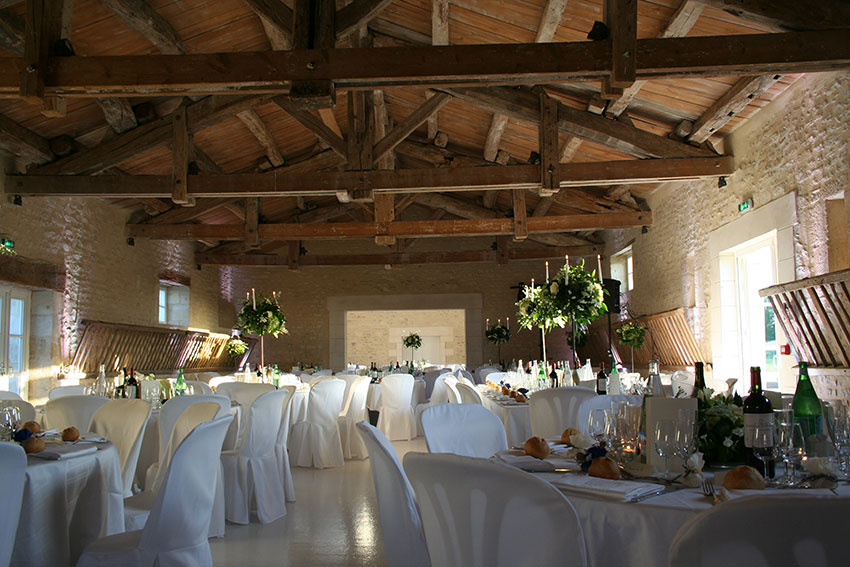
{"x":236,"y":346}
{"x":265,"y":319}
{"x":497,"y":334}
{"x":556,"y":303}
{"x":720,"y":420}
{"x":631,"y":334}
{"x":413,"y":341}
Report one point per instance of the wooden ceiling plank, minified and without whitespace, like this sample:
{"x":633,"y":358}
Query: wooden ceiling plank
{"x":180,"y":157}
{"x":252,"y":216}
{"x":12,"y":29}
{"x":520,"y":228}
{"x":276,"y":18}
{"x":494,"y":136}
{"x":176,"y":215}
{"x":143,"y":18}
{"x":731,"y":103}
{"x":385,"y":213}
{"x":357,"y":14}
{"x":315,"y":125}
{"x":404,"y":128}
{"x":329,"y":119}
{"x":570,"y":147}
{"x":490,"y":198}
{"x":323,"y":214}
{"x":358,"y":68}
{"x":261,"y":132}
{"x":788,"y":14}
{"x":543,"y":206}
{"x":23,"y":141}
{"x":621,"y":17}
{"x":439,"y":22}
{"x":548,"y":144}
{"x":550,"y":20}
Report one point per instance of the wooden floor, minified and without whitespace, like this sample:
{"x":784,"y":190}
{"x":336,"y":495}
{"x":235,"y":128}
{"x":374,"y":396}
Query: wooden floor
{"x":333,"y":522}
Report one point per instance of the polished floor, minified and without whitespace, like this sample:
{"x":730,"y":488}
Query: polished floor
{"x":333,"y":522}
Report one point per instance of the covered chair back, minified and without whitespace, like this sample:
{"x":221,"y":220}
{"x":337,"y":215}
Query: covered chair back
{"x":199,"y":387}
{"x":62,"y":391}
{"x":468,"y":394}
{"x":7,"y":395}
{"x":123,"y":423}
{"x":281,"y":446}
{"x":469,"y":506}
{"x":470,"y":430}
{"x":75,"y":411}
{"x":315,"y":441}
{"x":13,"y":471}
{"x":555,"y":409}
{"x":353,"y":412}
{"x":401,"y":526}
{"x":396,"y":417}
{"x":26,"y":409}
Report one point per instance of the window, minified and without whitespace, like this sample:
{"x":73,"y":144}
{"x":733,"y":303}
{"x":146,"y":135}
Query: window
{"x":622,"y":268}
{"x":14,"y":337}
{"x":173,"y":304}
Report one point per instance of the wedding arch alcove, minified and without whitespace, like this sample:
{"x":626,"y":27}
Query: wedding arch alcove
{"x":468,"y":303}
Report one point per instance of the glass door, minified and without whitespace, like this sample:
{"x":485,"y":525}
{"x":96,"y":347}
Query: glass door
{"x":14,"y":337}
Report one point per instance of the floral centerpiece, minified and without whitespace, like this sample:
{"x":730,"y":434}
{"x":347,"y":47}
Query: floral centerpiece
{"x":412,"y":341}
{"x":633,"y":335}
{"x":498,"y":334}
{"x":262,"y":315}
{"x":720,"y":423}
{"x":236,"y":346}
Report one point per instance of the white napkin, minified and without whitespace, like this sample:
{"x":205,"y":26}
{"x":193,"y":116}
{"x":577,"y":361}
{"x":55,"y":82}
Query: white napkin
{"x":524,"y":462}
{"x":91,"y":438}
{"x":621,"y":490}
{"x":819,"y":465}
{"x":65,"y":451}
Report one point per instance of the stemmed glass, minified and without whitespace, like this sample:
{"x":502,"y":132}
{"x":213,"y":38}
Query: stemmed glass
{"x":686,"y":433}
{"x":764,"y":446}
{"x":598,"y":425}
{"x":665,"y":441}
{"x":793,"y":449}
{"x":9,"y":418}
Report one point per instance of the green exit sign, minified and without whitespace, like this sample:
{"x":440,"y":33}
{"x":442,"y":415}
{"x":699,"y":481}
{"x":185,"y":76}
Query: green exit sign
{"x":745,"y":206}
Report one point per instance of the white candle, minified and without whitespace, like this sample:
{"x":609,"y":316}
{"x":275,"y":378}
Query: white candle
{"x":499,"y":323}
{"x":532,"y":284}
{"x":599,"y":266}
{"x":487,"y":324}
{"x":509,"y":323}
{"x":253,"y":298}
{"x":566,"y":269}
{"x":547,"y":270}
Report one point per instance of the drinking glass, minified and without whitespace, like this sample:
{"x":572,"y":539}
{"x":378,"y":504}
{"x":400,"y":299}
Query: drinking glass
{"x":764,"y":446}
{"x":597,"y":425}
{"x":796,"y":450}
{"x":665,"y":441}
{"x":686,"y":433}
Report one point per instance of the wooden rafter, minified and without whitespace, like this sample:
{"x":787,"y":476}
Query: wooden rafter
{"x":314,"y":124}
{"x":23,"y":142}
{"x":404,"y":128}
{"x":789,"y":14}
{"x":438,"y":65}
{"x":180,"y":161}
{"x":621,"y":17}
{"x":263,"y":134}
{"x":12,"y":32}
{"x":277,"y":21}
{"x":143,"y":18}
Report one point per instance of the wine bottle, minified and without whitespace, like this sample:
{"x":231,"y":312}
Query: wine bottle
{"x":614,"y":386}
{"x":699,"y":379}
{"x":132,"y":389}
{"x":757,"y":413}
{"x":806,"y":405}
{"x":180,"y":386}
{"x":553,"y":378}
{"x":100,"y":387}
{"x":602,"y":381}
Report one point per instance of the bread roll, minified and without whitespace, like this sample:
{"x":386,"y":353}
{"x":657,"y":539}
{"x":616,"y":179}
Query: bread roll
{"x":33,"y":445}
{"x":604,"y":467}
{"x":505,"y":391}
{"x":744,"y":477}
{"x":537,"y":447}
{"x":33,"y":426}
{"x":70,"y":434}
{"x":565,"y":436}
{"x":520,"y":397}
{"x":513,"y":394}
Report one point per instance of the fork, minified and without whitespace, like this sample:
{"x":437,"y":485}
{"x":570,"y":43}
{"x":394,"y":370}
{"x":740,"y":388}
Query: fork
{"x":708,"y":487}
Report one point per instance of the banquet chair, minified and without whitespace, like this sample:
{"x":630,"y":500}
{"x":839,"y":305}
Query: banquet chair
{"x":396,"y":415}
{"x":123,"y":423}
{"x":483,"y":373}
{"x":325,"y":372}
{"x":315,"y":441}
{"x":470,"y":505}
{"x":494,"y":376}
{"x":199,"y":387}
{"x":554,"y":409}
{"x":62,"y":391}
{"x":468,"y":394}
{"x":430,"y":379}
{"x":26,"y":409}
{"x":137,"y":508}
{"x":244,"y":394}
{"x":451,"y":388}
{"x":251,"y":473}
{"x":353,"y":412}
{"x":215,"y":383}
{"x":315,"y":378}
{"x":470,"y":430}
{"x":69,"y":411}
{"x":13,"y":472}
{"x":756,"y":531}
{"x":281,"y":446}
{"x":289,"y":379}
{"x":440,"y":395}
{"x":602,"y":402}
{"x":175,"y":533}
{"x":7,"y":395}
{"x":465,"y":377}
{"x":401,"y":525}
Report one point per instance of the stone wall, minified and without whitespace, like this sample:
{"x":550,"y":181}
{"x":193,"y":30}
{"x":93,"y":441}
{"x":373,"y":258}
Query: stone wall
{"x":799,"y":143}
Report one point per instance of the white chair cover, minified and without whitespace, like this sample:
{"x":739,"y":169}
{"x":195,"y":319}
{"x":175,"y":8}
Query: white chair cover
{"x":463,"y":429}
{"x":315,"y":378}
{"x":123,"y":422}
{"x":760,"y":532}
{"x":451,"y":389}
{"x":62,"y":391}
{"x":401,"y":526}
{"x":349,"y":380}
{"x":482,"y":514}
{"x":13,"y":469}
{"x":199,"y":387}
{"x":554,"y":409}
{"x":602,"y":402}
{"x":468,"y":394}
{"x":430,"y":378}
{"x":325,"y":372}
{"x":251,"y":472}
{"x":281,"y":446}
{"x":215,"y":383}
{"x":244,"y":394}
{"x":75,"y":411}
{"x":26,"y":409}
{"x":396,"y":417}
{"x":315,"y":442}
{"x":176,"y":531}
{"x":353,"y":412}
{"x":463,"y":377}
{"x":440,"y":395}
{"x":483,"y":372}
{"x":289,"y":380}
{"x":7,"y":395}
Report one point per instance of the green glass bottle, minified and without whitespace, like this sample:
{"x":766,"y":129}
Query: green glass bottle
{"x":180,"y":386}
{"x":806,"y":405}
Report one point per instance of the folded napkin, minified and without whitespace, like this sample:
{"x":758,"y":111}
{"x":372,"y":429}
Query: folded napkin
{"x":524,"y":462}
{"x":48,"y":433}
{"x":621,"y":490}
{"x":91,"y":438}
{"x":65,"y":451}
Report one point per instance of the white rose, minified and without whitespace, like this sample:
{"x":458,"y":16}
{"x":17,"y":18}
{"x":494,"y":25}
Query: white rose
{"x":554,"y":287}
{"x":727,"y":442}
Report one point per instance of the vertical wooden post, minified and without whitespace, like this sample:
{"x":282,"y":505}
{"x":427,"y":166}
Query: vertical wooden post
{"x":180,"y":157}
{"x":520,"y":215}
{"x":313,"y":28}
{"x":550,"y":156}
{"x":621,"y":18}
{"x":385,"y":212}
{"x":252,"y":220}
{"x":293,"y":256}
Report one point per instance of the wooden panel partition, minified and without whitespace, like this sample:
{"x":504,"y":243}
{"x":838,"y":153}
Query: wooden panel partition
{"x":669,"y":338}
{"x":153,"y":349}
{"x":814,"y":313}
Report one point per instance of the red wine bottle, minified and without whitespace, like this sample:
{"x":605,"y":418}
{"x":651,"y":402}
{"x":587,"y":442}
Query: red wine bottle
{"x":757,"y":412}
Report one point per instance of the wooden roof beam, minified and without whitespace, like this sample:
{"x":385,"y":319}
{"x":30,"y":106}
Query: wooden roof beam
{"x":404,"y":128}
{"x":357,"y":14}
{"x":12,"y":32}
{"x":263,"y":134}
{"x":313,"y":29}
{"x":143,"y":18}
{"x":621,"y":17}
{"x":276,"y":18}
{"x":316,"y":125}
{"x":23,"y":142}
{"x":788,"y":14}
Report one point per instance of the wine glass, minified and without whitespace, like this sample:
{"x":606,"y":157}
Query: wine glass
{"x":796,"y":450}
{"x":597,"y":425}
{"x":764,"y":446}
{"x":9,"y":421}
{"x":686,"y":433}
{"x":665,"y":441}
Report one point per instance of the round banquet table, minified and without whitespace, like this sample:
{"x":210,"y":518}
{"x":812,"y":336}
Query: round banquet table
{"x":640,"y":534}
{"x":516,"y":417}
{"x":373,"y":398}
{"x":68,"y":504}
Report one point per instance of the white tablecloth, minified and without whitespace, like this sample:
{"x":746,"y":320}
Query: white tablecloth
{"x":67,"y":505}
{"x":517,"y":418}
{"x":373,"y":398}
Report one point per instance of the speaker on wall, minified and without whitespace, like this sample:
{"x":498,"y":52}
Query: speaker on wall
{"x":612,"y":294}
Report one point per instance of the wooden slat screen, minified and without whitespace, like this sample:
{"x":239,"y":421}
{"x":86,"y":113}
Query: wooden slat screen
{"x":153,"y":349}
{"x":669,"y":338}
{"x":814,"y":313}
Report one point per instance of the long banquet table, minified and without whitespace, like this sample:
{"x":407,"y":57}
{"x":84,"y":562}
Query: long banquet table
{"x":68,"y":504}
{"x":515,"y":416}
